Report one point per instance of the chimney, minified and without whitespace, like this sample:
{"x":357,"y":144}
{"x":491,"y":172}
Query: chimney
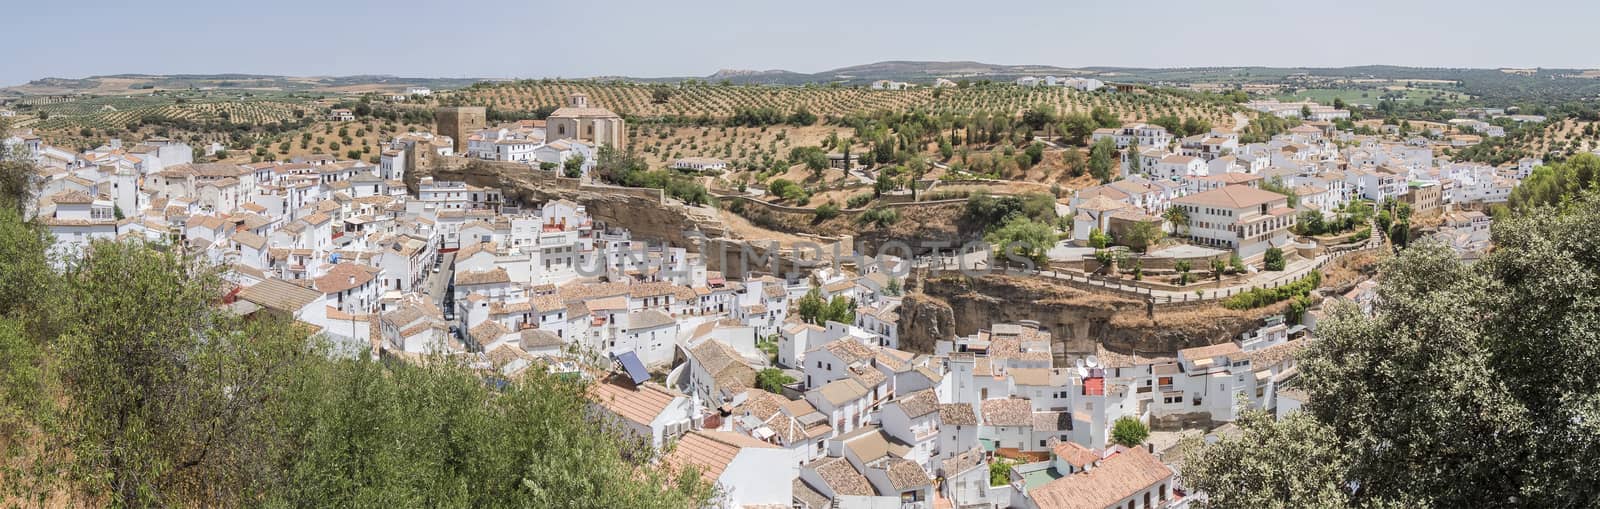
{"x":352,"y":280}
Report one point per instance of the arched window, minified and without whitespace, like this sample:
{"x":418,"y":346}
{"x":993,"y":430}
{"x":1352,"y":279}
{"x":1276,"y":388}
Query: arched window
{"x":561,"y":129}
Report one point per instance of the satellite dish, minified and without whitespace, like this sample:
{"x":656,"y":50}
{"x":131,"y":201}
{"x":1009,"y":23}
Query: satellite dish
{"x":1092,"y":361}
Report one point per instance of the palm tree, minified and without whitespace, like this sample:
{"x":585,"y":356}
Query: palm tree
{"x":1178,"y":217}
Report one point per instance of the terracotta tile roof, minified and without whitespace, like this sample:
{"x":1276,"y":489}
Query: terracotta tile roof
{"x":1231,"y":197}
{"x":849,"y":351}
{"x":905,"y":474}
{"x":548,"y":303}
{"x":961,"y":463}
{"x":1052,"y":421}
{"x":711,"y":451}
{"x":1073,"y":454}
{"x":839,"y":392}
{"x":1276,"y":353}
{"x":650,"y":319}
{"x":1007,"y":412}
{"x":484,"y":277}
{"x":809,"y":497}
{"x":250,"y":240}
{"x":957,"y":414}
{"x":1207,"y":352}
{"x":896,"y":360}
{"x":868,"y":376}
{"x":488,"y":331}
{"x":639,"y":405}
{"x":1121,"y":476}
{"x":279,"y":295}
{"x":918,"y":404}
{"x":1030,"y":376}
{"x":725,"y":365}
{"x":533,"y":339}
{"x":72,"y":197}
{"x":842,"y":477}
{"x":345,"y":276}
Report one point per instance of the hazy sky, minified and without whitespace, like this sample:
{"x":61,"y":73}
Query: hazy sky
{"x":576,"y":38}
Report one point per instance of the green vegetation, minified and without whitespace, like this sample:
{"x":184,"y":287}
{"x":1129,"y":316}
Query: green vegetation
{"x":1260,"y":297}
{"x":1129,"y":432}
{"x":1023,"y":237}
{"x":827,"y":211}
{"x":1261,"y":457}
{"x":630,"y":170}
{"x":1000,"y":472}
{"x":1479,"y":363}
{"x":991,"y":211}
{"x":1264,"y":127}
{"x":1276,"y":185}
{"x":1353,"y":215}
{"x":814,"y":309}
{"x":773,"y":380}
{"x":1103,"y":160}
{"x":1556,"y":183}
{"x":174,"y":401}
{"x":880,"y":217}
{"x":1273,"y":259}
{"x":1143,"y":235}
{"x":1374,"y":96}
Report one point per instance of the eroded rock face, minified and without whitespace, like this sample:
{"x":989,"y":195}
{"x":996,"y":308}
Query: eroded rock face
{"x":944,"y":306}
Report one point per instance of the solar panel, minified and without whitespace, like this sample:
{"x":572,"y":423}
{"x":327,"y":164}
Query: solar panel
{"x":630,"y":362}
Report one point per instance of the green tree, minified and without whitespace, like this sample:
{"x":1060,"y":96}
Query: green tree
{"x":1179,"y":217}
{"x":1000,"y":472}
{"x":773,"y":380}
{"x":1103,"y":159}
{"x":1098,"y":239}
{"x":1127,"y":431}
{"x":1104,"y":118}
{"x":573,"y":166}
{"x":1024,"y":237}
{"x":1076,"y":128}
{"x":1273,"y":259}
{"x":1439,"y":373}
{"x":811,"y":306}
{"x":1143,"y":235}
{"x":1074,"y":161}
{"x":1295,"y":462}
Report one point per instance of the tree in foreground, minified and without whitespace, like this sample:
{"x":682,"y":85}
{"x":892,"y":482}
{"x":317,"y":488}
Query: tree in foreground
{"x":1468,"y":386}
{"x":137,"y":390}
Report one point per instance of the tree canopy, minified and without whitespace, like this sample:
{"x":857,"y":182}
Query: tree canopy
{"x":1467,"y":386}
{"x":135,"y":388}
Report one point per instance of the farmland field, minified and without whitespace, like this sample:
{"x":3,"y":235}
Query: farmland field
{"x":721,"y":101}
{"x":1371,"y":96}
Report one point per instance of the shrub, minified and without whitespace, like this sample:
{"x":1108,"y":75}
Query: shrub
{"x":858,"y":201}
{"x":1259,"y":297}
{"x":773,"y":380}
{"x":880,"y":217}
{"x":1273,"y":260}
{"x":827,"y":211}
{"x":1129,"y":432}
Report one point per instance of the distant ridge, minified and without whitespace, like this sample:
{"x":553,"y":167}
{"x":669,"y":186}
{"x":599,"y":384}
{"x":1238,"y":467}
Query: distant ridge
{"x":1492,"y":83}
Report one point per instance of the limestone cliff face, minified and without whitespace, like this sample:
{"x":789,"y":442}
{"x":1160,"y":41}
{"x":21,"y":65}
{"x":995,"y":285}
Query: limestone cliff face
{"x":944,"y":306}
{"x":643,"y":212}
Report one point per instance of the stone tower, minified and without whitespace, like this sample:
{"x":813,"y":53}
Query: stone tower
{"x":458,"y":122}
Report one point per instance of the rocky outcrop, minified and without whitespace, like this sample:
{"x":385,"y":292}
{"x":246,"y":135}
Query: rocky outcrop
{"x":644,"y":212}
{"x":941,"y":307}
